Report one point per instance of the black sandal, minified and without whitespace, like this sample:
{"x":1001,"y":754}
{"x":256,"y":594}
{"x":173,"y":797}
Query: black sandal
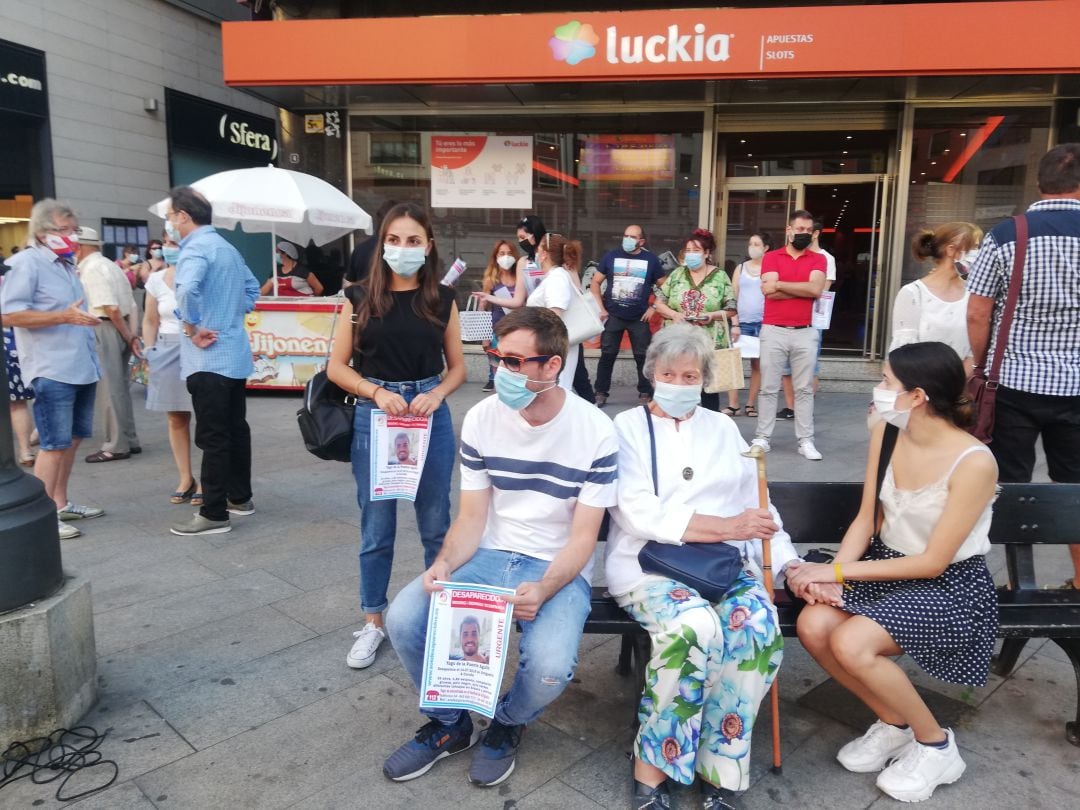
{"x":750,"y":410}
{"x":729,"y":411}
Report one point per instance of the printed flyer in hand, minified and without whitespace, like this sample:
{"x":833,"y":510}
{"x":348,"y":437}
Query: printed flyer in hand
{"x":465,"y":654}
{"x":399,"y":446}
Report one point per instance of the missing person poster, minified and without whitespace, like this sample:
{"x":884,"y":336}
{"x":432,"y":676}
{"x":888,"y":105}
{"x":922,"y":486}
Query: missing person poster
{"x":823,"y":307}
{"x":399,"y":446}
{"x":465,"y":654}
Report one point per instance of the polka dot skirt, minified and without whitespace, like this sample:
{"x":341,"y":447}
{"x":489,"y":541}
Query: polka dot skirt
{"x":16,"y":390}
{"x":947,"y":624}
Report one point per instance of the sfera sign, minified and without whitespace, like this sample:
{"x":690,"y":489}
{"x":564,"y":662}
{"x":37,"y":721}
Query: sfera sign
{"x":197,"y":124}
{"x":241,"y":134}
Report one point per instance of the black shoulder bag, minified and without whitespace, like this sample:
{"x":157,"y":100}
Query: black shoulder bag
{"x":709,"y":568}
{"x":326,"y":417}
{"x":888,"y":442}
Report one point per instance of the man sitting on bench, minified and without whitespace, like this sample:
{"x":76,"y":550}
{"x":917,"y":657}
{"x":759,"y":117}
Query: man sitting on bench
{"x":537,"y":472}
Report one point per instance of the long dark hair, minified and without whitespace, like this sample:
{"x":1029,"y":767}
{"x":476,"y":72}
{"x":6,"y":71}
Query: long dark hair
{"x":378,"y":299}
{"x":938,"y":370}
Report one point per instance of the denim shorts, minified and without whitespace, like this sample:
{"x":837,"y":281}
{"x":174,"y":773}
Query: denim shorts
{"x":63,"y":411}
{"x":750,"y":328}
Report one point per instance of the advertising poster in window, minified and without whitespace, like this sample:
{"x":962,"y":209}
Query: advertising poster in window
{"x":481,"y":171}
{"x":399,"y":446}
{"x":638,"y":159}
{"x":465,"y":653}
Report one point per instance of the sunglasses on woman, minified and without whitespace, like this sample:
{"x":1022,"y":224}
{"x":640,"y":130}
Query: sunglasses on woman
{"x":512,"y":361}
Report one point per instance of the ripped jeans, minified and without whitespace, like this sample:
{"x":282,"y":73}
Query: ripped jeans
{"x":548,"y":646}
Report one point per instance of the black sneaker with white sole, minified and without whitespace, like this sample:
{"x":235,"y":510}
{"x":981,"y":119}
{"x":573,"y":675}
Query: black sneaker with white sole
{"x":494,"y":760}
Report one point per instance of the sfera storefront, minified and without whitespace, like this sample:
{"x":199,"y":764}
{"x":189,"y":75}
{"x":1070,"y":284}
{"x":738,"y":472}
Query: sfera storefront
{"x":878,"y":119}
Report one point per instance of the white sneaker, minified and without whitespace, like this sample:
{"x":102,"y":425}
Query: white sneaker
{"x":67,"y":531}
{"x":762,"y":442}
{"x":873,"y":750}
{"x":808,"y":451}
{"x":920,"y":769}
{"x":363,"y":650}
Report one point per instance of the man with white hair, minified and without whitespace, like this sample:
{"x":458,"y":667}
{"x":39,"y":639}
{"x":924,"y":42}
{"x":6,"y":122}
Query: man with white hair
{"x":109,"y":297}
{"x":43,"y":299}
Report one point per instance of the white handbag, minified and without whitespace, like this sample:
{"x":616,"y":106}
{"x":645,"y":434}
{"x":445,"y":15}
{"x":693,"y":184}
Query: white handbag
{"x":582,"y":319}
{"x":475,"y":323}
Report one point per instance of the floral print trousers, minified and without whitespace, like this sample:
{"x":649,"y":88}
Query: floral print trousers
{"x":711,"y":666}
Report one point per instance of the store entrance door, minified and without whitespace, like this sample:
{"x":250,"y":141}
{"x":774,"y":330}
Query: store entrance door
{"x":852,"y":212}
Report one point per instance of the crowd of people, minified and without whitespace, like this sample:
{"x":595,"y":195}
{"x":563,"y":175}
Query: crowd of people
{"x":541,"y":465}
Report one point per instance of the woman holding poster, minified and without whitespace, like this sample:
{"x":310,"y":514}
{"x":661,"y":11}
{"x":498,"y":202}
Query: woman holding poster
{"x":393,"y":358}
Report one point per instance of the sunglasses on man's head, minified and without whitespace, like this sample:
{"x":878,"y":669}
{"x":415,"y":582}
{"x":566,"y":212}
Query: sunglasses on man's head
{"x":512,"y":361}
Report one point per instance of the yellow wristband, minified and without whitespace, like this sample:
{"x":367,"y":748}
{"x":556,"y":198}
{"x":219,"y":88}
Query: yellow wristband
{"x":839,"y":573}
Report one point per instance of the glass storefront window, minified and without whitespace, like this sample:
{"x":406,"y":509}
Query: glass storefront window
{"x":976,"y":165}
{"x":592,"y":175}
{"x":786,"y":154}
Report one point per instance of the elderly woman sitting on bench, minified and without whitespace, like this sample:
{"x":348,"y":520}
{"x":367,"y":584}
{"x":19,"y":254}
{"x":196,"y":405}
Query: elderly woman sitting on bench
{"x":711,"y":663}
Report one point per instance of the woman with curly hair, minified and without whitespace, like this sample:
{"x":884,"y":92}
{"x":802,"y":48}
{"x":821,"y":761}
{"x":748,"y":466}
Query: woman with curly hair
{"x":500,"y":279}
{"x":699,"y":292}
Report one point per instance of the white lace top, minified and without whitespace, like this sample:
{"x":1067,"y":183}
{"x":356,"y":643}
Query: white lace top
{"x":919,"y":315}
{"x":911,"y":514}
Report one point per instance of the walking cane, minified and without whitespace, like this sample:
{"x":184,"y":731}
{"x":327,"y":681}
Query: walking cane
{"x":758,"y":455}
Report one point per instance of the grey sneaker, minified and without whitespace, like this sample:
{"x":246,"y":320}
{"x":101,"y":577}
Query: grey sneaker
{"x":75,"y":511}
{"x":494,"y":760}
{"x":434,"y":741}
{"x":200,"y":525}
{"x":245,"y":508}
{"x":67,"y":531}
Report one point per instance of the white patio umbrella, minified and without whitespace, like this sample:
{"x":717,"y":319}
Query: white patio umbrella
{"x":265,"y":199}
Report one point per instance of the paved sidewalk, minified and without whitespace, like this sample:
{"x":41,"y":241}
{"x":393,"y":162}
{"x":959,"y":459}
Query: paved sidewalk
{"x":223,"y":681}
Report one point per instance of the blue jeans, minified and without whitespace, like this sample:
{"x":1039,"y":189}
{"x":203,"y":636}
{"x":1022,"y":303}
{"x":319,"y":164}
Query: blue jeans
{"x":549,"y":643}
{"x":63,"y":412}
{"x":378,"y":519}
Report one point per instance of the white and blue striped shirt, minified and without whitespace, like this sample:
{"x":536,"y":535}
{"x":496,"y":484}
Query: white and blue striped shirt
{"x":538,"y":474}
{"x":1042,"y":355}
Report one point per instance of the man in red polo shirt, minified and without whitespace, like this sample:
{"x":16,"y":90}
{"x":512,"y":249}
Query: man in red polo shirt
{"x":791,"y":278}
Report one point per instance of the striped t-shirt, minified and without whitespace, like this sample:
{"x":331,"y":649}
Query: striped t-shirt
{"x":538,"y":474}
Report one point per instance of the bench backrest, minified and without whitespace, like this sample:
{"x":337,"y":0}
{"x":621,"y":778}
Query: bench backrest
{"x":1025,"y":515}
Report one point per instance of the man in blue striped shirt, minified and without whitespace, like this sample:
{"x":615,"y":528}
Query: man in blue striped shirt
{"x":214,"y":291}
{"x":1040,"y":370}
{"x":538,"y":469}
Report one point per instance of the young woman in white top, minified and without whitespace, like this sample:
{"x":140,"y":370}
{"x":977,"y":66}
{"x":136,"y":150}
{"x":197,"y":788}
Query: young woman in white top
{"x":529,"y":272}
{"x":935,"y":306}
{"x":919,"y":584}
{"x":557,"y":290}
{"x":166,"y":390}
{"x":746,"y":284}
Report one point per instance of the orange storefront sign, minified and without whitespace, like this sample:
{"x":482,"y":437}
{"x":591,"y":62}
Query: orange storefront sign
{"x":1032,"y":36}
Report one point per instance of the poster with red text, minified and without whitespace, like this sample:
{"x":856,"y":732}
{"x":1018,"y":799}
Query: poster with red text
{"x":465,"y":653}
{"x":481,"y":171}
{"x":399,"y":446}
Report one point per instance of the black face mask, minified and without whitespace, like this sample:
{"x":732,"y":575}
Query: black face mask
{"x":801,"y":241}
{"x":528,"y":248}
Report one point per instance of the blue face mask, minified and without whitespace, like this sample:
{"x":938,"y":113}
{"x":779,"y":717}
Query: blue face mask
{"x":677,"y":401}
{"x":512,"y":389}
{"x":280,"y":259}
{"x":693,"y":259}
{"x":170,"y":229}
{"x":171,"y":255}
{"x":405,"y":261}
{"x":629,"y":244}
{"x":155,"y":253}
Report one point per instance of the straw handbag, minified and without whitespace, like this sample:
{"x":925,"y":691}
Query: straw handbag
{"x":727,"y":366}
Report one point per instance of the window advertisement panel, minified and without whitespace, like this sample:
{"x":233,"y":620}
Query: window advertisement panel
{"x":643,"y":159}
{"x":481,"y":171}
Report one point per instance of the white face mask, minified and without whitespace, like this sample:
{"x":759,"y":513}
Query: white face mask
{"x":505,"y":261}
{"x":885,"y":405}
{"x":755,"y":252}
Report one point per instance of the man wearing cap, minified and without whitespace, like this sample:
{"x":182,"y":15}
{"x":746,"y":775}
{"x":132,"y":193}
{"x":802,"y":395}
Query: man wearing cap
{"x":109,"y":298}
{"x":43,"y":300}
{"x":292,"y":277}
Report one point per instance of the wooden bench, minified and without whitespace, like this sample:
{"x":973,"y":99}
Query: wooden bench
{"x":818,"y":514}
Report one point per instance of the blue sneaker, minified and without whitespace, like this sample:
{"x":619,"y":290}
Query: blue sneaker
{"x":432,"y":742}
{"x":494,"y":760}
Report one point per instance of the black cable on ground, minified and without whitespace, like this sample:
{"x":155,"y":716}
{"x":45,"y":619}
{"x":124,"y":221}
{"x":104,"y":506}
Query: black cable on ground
{"x":58,"y":757}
